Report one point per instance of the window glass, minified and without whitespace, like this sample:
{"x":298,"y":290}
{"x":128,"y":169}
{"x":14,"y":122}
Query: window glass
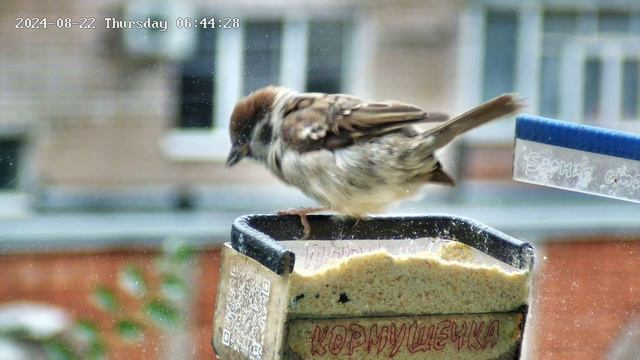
{"x":560,"y":22}
{"x":549,"y":86}
{"x":630,"y":90}
{"x":325,"y":61}
{"x":9,"y":157}
{"x":197,"y":84}
{"x":593,"y":69}
{"x":263,"y":43}
{"x":611,"y":21}
{"x":500,"y":53}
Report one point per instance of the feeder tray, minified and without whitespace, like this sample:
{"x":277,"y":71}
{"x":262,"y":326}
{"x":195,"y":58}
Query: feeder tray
{"x":371,"y":289}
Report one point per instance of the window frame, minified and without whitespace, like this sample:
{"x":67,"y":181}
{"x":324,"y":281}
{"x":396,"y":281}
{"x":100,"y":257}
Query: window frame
{"x":470,"y":82}
{"x":193,"y":67}
{"x":17,"y":201}
{"x":196,"y":145}
{"x":279,"y":51}
{"x":612,"y":52}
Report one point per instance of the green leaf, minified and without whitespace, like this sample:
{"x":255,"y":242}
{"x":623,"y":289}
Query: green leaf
{"x":184,"y":253}
{"x":174,"y":288}
{"x":105,"y":299}
{"x":132,"y":281}
{"x":129,"y":330}
{"x":162,"y":313}
{"x":58,"y":350}
{"x":97,"y":351}
{"x":20,"y":332}
{"x":177,"y":250}
{"x":87,"y":331}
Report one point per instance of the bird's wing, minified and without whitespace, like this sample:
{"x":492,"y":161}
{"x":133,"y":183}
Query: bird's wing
{"x":321,"y":121}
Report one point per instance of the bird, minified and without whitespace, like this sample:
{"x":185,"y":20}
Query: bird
{"x":352,"y":156}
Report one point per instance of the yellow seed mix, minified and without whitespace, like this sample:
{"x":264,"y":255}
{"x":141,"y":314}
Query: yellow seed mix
{"x":376,"y":283}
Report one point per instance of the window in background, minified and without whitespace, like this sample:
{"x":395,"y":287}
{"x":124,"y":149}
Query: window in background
{"x":232,"y":63}
{"x":578,"y":61}
{"x":614,"y":22}
{"x":557,"y":28}
{"x":325,"y":56}
{"x":9,"y":157}
{"x":197,"y":85}
{"x":631,"y":90}
{"x":500,"y":53}
{"x":591,"y":91}
{"x":561,"y":27}
{"x":262,"y":51}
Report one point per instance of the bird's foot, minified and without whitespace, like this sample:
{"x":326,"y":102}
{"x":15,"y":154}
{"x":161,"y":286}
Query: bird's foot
{"x":357,"y":220}
{"x":302,"y":213}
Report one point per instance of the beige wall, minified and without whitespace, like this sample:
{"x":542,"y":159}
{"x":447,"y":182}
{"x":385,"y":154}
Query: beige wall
{"x":415,"y":57}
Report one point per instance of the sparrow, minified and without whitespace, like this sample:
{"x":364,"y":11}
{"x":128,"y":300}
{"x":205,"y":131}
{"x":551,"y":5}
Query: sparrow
{"x":351,"y":155}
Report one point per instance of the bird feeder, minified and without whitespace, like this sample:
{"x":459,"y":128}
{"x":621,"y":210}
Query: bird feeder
{"x":427,"y":287}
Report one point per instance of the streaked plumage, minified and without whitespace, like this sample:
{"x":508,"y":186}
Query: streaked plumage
{"x":351,"y":155}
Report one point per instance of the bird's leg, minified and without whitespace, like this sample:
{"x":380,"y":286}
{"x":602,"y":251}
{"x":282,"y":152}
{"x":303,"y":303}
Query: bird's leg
{"x":357,"y":221}
{"x":302,"y":213}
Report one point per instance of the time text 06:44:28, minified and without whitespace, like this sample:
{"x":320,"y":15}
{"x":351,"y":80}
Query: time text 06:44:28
{"x":208,"y":23}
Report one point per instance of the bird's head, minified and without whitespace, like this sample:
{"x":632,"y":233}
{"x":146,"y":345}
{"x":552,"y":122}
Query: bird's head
{"x":250,"y":116}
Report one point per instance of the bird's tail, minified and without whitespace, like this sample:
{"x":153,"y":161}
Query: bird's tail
{"x":493,"y":109}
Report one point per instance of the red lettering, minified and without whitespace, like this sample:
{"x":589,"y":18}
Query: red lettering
{"x":411,"y":337}
{"x":493,"y":334}
{"x":319,"y":334}
{"x":417,"y":340}
{"x":358,"y":337}
{"x":420,"y":337}
{"x":378,"y":338}
{"x":474,"y":336}
{"x":458,"y":337}
{"x":442,"y":334}
{"x":430,"y":336}
{"x":396,"y":337}
{"x":338,"y":335}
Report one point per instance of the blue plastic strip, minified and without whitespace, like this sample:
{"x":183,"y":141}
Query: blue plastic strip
{"x":579,"y":137}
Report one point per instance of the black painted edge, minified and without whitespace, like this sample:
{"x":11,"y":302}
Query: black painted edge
{"x":259,"y":236}
{"x":260,"y":246}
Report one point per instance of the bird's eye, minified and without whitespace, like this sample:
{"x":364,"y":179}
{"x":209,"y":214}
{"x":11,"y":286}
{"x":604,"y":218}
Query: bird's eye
{"x":265,"y":133}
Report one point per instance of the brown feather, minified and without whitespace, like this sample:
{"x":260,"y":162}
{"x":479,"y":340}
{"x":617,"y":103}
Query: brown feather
{"x":498,"y":107}
{"x":248,"y":111}
{"x":316,"y":121}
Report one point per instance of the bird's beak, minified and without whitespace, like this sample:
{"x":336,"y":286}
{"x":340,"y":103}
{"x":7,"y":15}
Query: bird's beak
{"x":236,"y":154}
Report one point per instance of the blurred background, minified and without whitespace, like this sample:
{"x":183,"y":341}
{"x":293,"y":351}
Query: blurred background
{"x":115,"y":199}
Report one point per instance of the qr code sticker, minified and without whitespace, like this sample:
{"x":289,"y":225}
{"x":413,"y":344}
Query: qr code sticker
{"x":246,"y":313}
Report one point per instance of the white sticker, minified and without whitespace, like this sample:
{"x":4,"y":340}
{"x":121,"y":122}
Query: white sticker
{"x":246,"y":313}
{"x":577,"y":170}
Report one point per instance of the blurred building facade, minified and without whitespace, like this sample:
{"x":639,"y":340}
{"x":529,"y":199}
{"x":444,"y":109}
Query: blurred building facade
{"x":86,"y":112}
{"x":97,"y":118}
{"x":95,"y":111}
